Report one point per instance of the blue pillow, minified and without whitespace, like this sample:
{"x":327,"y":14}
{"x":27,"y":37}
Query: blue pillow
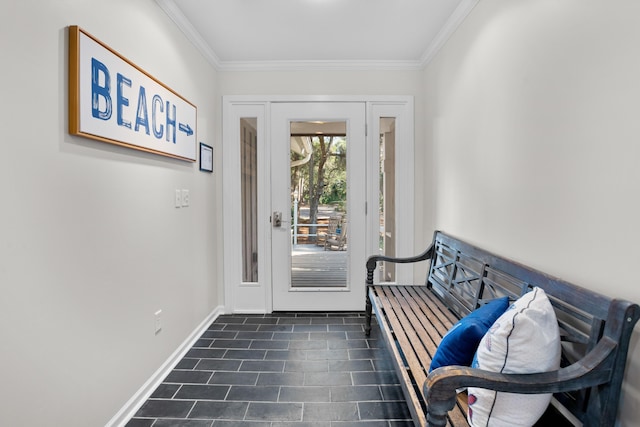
{"x":460,"y":343}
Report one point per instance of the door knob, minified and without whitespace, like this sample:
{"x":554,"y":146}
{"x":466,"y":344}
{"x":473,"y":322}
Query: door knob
{"x":277,"y":219}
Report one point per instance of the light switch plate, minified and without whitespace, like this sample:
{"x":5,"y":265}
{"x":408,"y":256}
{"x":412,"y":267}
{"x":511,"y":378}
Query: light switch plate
{"x":185,"y":198}
{"x":178,"y":201}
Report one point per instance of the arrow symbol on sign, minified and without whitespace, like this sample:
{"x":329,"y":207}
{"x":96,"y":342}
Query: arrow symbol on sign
{"x":185,"y":128}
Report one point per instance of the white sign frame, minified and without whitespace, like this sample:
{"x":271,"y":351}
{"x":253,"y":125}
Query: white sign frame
{"x":113,"y":100}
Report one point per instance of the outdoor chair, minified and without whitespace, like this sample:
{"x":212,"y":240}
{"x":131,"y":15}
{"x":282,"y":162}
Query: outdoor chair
{"x":337,"y":240}
{"x":332,"y":226}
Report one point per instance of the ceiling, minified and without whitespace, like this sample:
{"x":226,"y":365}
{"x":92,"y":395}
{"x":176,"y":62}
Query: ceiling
{"x":250,"y":34}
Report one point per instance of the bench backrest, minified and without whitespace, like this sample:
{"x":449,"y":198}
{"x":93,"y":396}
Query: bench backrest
{"x":465,"y":276}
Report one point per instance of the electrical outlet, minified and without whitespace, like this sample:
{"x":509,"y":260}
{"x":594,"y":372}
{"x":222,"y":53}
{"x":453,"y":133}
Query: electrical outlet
{"x":158,"y":321}
{"x":178,"y":201}
{"x":185,"y":198}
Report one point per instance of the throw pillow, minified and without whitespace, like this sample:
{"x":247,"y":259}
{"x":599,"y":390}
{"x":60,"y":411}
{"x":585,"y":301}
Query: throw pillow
{"x":525,"y":339}
{"x":461,"y":341}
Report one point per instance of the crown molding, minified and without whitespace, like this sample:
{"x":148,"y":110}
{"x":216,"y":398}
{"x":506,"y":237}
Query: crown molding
{"x":319,"y":65}
{"x":176,"y":15}
{"x":455,"y":20}
{"x":452,"y":24}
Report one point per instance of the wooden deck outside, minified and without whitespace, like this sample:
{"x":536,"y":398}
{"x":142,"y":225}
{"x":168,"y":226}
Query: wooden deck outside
{"x":312,"y":266}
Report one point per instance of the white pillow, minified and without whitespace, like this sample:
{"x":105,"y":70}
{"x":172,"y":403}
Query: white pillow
{"x":525,"y":339}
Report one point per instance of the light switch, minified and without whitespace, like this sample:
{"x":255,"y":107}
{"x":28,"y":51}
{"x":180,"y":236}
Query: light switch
{"x":185,"y":198}
{"x":178,"y":201}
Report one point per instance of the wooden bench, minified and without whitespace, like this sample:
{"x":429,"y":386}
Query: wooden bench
{"x":595,"y":332}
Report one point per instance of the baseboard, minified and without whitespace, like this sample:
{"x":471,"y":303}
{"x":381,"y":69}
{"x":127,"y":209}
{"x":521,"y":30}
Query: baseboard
{"x":136,"y":401}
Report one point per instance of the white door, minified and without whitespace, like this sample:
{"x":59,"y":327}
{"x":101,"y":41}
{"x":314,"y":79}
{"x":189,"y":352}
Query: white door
{"x":316,"y":270}
{"x":263,"y":268}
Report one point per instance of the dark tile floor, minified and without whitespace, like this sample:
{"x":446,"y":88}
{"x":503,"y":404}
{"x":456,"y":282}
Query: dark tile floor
{"x":281,"y":370}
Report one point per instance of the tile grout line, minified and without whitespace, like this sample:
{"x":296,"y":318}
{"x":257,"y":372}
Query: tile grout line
{"x":190,"y":410}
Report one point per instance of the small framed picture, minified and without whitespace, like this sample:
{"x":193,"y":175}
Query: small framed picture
{"x":206,"y":158}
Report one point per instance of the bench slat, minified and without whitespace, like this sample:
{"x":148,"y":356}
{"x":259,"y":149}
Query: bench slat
{"x":404,"y":333}
{"x":389,"y":323}
{"x":418,"y":320}
{"x":432,"y":320}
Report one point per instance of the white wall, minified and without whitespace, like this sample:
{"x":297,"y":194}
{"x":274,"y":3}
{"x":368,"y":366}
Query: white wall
{"x":328,"y":82}
{"x":534,"y":137}
{"x":91,"y":243}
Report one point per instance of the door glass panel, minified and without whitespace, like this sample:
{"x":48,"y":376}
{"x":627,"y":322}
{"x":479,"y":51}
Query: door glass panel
{"x":249,"y":185}
{"x":319,"y":204}
{"x":387,"y":196}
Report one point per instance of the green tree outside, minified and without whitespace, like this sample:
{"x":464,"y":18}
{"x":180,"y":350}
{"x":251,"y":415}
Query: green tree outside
{"x":323,"y":179}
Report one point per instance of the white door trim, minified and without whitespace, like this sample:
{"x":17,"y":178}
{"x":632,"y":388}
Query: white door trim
{"x":239,"y":296}
{"x":402,"y":110}
{"x":257,"y":298}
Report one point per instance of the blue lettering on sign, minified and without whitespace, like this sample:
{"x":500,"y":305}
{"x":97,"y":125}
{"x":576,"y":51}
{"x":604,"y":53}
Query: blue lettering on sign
{"x":157,"y":103}
{"x":121,"y":100}
{"x":182,"y":127}
{"x":102,"y":106}
{"x":100,"y":92}
{"x":142,"y":116}
{"x":171,"y":122}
